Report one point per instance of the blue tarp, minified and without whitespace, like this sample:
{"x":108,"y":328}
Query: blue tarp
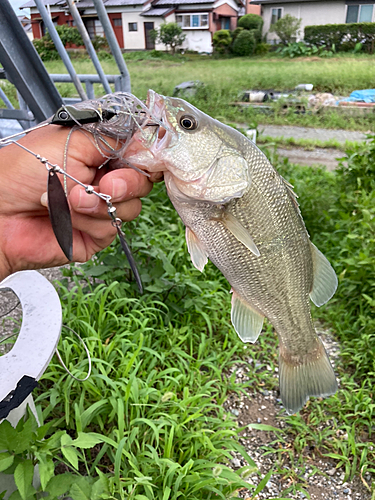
{"x":367,"y":95}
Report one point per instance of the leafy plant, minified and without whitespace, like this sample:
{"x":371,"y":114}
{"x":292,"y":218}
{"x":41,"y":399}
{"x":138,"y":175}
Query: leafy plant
{"x":286,"y":28}
{"x":170,"y":34}
{"x":298,"y":49}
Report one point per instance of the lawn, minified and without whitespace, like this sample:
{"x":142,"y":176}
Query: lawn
{"x":226,"y":78}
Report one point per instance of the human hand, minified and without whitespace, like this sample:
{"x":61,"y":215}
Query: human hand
{"x":27,"y":240}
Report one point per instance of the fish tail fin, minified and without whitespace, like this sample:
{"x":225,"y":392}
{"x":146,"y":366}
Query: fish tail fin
{"x":302,"y":376}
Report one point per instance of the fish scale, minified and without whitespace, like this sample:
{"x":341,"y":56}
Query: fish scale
{"x":243,"y":216}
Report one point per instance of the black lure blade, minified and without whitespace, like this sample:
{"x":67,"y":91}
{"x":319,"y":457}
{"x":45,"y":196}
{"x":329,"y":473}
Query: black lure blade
{"x":129,"y":256}
{"x":59,"y":213}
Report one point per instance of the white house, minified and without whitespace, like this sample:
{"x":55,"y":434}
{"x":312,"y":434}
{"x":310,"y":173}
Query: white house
{"x":315,"y":12}
{"x":132,"y":20}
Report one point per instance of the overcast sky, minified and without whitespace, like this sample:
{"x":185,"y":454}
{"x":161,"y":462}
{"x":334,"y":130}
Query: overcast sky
{"x":16,"y":4}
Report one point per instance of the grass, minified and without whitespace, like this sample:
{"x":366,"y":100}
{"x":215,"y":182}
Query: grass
{"x":149,"y":423}
{"x":225,"y":79}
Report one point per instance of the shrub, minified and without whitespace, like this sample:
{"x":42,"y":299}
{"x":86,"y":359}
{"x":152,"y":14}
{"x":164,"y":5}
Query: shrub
{"x":99,"y":43}
{"x":170,"y":34}
{"x":221,"y":41}
{"x":252,"y":22}
{"x":244,"y":44}
{"x":344,"y":37}
{"x":262,"y":49}
{"x":46,"y":48}
{"x":235,"y":33}
{"x":286,"y":28}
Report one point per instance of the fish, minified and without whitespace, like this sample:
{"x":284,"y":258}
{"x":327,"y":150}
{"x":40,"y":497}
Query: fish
{"x":240,"y":213}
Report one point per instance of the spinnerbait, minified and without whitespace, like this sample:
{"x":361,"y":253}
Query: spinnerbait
{"x":117,"y":116}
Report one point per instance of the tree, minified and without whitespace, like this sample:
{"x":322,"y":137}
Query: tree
{"x":286,"y":28}
{"x":170,"y":34}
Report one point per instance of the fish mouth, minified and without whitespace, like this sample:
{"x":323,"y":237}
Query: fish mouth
{"x":156,"y":104}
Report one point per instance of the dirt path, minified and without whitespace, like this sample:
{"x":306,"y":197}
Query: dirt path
{"x":320,"y":134}
{"x":319,"y":156}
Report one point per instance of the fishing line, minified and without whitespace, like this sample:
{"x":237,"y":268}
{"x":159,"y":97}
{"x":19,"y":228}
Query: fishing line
{"x":88,"y":357}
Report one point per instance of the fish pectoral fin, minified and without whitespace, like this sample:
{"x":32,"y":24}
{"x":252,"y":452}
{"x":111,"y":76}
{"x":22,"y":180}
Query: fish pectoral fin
{"x":246,"y":321}
{"x":304,"y":376}
{"x":239,"y":232}
{"x":325,"y":279}
{"x":197,"y":252}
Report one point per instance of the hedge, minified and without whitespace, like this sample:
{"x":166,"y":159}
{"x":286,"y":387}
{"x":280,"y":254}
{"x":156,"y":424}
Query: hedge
{"x":342,"y":36}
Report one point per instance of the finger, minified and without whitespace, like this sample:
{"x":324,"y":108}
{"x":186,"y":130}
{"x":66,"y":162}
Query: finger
{"x":97,"y":229}
{"x":125,"y":184}
{"x":92,"y":206}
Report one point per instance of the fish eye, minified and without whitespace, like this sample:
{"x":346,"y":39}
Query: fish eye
{"x":188,"y":122}
{"x":63,"y":115}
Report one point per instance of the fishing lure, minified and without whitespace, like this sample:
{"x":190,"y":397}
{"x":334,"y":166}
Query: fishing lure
{"x":116,"y":116}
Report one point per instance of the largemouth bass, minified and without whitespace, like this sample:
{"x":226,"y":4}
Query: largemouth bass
{"x":244,"y":217}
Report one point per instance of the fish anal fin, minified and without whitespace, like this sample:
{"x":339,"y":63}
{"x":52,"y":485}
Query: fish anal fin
{"x":246,"y":320}
{"x":239,"y":232}
{"x":304,"y":376}
{"x":325,"y":279}
{"x":197,"y":253}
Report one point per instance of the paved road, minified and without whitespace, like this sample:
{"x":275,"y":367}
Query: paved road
{"x":321,"y":134}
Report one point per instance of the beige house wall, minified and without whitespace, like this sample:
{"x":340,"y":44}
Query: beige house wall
{"x":135,"y":40}
{"x":311,"y":13}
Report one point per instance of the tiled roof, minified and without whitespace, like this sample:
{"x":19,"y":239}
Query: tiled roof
{"x":157,"y":12}
{"x":256,"y":2}
{"x":31,"y":3}
{"x":180,"y":2}
{"x":85,"y":4}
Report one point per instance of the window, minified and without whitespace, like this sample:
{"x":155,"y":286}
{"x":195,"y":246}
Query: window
{"x":117,"y":22}
{"x":359,"y":13}
{"x":94,"y":28}
{"x":192,"y":20}
{"x":276,"y":14}
{"x":133,"y":26}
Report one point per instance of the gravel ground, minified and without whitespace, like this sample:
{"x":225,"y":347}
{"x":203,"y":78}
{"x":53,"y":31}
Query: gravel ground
{"x":321,"y":479}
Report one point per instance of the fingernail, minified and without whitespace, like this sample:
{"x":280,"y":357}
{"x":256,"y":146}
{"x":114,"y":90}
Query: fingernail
{"x":119,"y":188}
{"x":87,"y":200}
{"x":44,"y":200}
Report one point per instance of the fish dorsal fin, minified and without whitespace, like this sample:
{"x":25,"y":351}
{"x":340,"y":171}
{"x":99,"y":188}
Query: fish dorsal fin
{"x":197,"y":253}
{"x":239,"y":232}
{"x":246,"y":321}
{"x":325,"y":279}
{"x":290,"y":189}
